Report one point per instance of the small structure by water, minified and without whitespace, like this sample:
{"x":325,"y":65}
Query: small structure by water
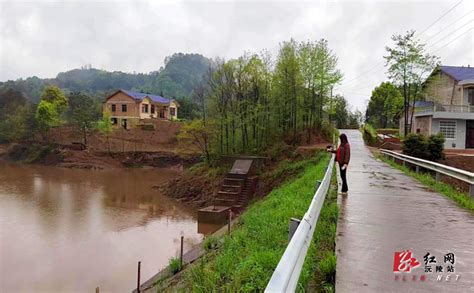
{"x":236,"y":190}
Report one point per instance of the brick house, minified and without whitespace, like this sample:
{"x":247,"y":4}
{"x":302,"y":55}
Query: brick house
{"x":449,"y":107}
{"x":129,"y":109}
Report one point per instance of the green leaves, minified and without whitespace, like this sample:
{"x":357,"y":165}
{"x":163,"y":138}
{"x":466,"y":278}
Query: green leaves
{"x":408,"y":66}
{"x":50,"y":109}
{"x":105,"y":124}
{"x":385,"y":106}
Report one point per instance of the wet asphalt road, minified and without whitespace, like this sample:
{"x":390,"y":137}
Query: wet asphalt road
{"x":387,"y":211}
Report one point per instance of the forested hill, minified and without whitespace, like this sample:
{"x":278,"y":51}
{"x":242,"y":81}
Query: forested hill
{"x":176,"y":79}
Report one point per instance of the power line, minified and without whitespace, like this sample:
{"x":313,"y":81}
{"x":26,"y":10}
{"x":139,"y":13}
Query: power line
{"x":441,"y":17}
{"x":450,"y":33}
{"x":449,"y":25}
{"x":428,"y":27}
{"x":450,"y":42}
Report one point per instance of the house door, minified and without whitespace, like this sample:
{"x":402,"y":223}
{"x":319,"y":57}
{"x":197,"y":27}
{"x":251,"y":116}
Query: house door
{"x":124,"y":123}
{"x":470,"y":134}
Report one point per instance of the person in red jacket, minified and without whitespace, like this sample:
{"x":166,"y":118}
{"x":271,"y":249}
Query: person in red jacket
{"x":343,"y":156}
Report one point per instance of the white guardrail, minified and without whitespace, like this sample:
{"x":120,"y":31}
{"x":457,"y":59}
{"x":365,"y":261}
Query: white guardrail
{"x":286,"y":275}
{"x":459,"y":174}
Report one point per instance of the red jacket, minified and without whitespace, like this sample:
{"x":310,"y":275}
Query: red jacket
{"x":343,"y":154}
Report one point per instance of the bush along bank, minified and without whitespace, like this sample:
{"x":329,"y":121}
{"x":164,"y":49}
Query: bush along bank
{"x":245,"y":260}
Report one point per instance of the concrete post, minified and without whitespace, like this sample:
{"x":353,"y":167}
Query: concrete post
{"x":437,"y":176}
{"x":294,"y":223}
{"x":417,"y":169}
{"x":471,"y":190}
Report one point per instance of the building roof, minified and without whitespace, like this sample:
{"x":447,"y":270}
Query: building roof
{"x":141,"y":96}
{"x":458,"y":72}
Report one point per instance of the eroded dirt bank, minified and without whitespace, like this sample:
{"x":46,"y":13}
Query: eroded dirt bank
{"x":199,"y":184}
{"x":61,"y":156}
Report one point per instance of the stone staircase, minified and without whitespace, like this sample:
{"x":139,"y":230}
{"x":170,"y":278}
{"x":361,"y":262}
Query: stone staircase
{"x":236,"y":191}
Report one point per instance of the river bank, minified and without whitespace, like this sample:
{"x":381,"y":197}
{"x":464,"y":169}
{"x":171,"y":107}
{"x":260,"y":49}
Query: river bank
{"x":245,"y":259}
{"x":68,"y":157}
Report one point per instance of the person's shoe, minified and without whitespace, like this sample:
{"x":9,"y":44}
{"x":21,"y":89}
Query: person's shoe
{"x":344,"y":193}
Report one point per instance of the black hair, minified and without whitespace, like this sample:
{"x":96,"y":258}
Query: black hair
{"x":343,"y":139}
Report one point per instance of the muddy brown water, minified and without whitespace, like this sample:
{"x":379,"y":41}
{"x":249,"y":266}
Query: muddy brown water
{"x":66,"y":230}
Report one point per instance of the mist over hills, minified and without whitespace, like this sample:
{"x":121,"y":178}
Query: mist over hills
{"x":175,"y":79}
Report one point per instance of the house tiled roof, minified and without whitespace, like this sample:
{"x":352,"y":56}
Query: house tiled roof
{"x":458,"y":72}
{"x":141,"y":96}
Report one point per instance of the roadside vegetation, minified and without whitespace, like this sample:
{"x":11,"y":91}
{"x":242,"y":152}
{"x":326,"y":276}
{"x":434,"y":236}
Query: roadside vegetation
{"x":245,"y":260}
{"x":461,"y":198}
{"x":369,"y":134}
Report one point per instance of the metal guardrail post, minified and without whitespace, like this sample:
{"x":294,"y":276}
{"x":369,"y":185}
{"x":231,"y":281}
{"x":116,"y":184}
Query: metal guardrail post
{"x":292,"y":226}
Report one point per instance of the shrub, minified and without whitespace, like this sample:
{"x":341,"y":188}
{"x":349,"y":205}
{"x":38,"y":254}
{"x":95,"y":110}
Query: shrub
{"x":436,"y":147}
{"x":369,"y":134}
{"x":415,"y":145}
{"x":327,"y":131}
{"x":175,"y":265}
{"x":418,"y":145}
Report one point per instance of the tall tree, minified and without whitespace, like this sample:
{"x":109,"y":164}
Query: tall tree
{"x":82,"y":113}
{"x":408,"y":66}
{"x":50,"y":110}
{"x":105,"y":127}
{"x":287,"y":87}
{"x":385,"y":106}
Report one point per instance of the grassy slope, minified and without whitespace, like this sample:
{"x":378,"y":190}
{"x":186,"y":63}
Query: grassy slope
{"x":322,"y":267}
{"x":246,"y":259}
{"x":462,"y":199}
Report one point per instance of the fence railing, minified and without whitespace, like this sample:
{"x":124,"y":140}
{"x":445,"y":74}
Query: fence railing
{"x":286,"y":275}
{"x":445,"y":108}
{"x":456,"y":173}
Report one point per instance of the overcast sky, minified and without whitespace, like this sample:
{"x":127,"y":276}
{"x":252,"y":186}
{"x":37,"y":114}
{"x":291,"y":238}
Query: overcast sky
{"x":42,"y":38}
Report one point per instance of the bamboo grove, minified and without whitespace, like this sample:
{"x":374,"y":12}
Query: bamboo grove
{"x":251,"y":102}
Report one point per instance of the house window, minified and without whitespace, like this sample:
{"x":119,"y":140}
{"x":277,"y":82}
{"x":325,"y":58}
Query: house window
{"x":172,"y":111}
{"x":448,"y":129}
{"x":124,"y":107}
{"x":470,"y":96}
{"x":113,"y":107}
{"x":145,"y":108}
{"x":114,"y":121}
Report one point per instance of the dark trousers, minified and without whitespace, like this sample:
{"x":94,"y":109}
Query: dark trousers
{"x":344,"y":179}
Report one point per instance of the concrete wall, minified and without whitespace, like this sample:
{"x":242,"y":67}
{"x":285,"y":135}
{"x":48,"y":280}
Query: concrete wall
{"x":147,"y":115}
{"x":460,"y":140}
{"x":120,"y":99}
{"x":444,"y":90}
{"x":175,"y":106}
{"x":422,"y":125}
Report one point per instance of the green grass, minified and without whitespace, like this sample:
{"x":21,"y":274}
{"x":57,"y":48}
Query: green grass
{"x":247,"y":258}
{"x":175,"y":265}
{"x":322,"y":254}
{"x":462,"y":199}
